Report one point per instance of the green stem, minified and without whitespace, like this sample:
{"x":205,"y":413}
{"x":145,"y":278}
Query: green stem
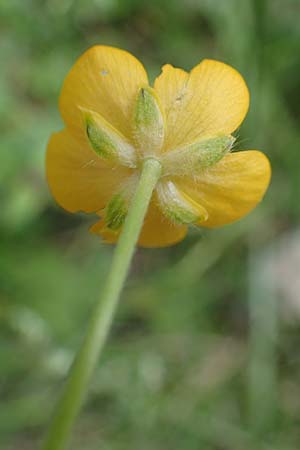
{"x":101,"y":320}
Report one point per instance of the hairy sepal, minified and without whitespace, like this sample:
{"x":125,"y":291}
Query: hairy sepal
{"x":193,"y":158}
{"x":148,"y":122}
{"x":177,"y":206}
{"x":106,"y":141}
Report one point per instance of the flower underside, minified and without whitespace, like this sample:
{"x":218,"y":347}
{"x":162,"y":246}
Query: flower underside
{"x":115,"y":121}
{"x":148,"y":130}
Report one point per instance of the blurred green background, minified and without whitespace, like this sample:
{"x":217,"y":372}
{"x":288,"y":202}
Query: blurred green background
{"x":204,"y":352}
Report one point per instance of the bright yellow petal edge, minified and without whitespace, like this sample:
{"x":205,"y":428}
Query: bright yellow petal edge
{"x":212,"y":99}
{"x":105,"y":80}
{"x":231,"y":188}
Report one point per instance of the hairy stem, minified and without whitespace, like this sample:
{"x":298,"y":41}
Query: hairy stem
{"x":101,"y":320}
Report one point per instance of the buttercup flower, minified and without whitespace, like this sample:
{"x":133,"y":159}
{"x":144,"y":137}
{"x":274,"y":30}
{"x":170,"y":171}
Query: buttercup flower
{"x":114,"y":120}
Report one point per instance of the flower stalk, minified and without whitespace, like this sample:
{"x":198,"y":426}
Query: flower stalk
{"x":87,"y":357}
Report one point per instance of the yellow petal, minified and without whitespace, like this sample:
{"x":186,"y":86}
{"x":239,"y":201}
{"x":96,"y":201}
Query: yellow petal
{"x":105,"y":80}
{"x":108,"y":235}
{"x":157,"y":231}
{"x":79,"y":180}
{"x":212,"y":99}
{"x":231,"y":188}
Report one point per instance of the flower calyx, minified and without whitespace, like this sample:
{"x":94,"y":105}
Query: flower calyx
{"x":148,"y":128}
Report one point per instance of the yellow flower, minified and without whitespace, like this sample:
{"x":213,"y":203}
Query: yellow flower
{"x":114,"y":120}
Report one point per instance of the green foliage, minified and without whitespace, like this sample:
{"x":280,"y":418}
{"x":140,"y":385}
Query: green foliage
{"x":175,"y":371}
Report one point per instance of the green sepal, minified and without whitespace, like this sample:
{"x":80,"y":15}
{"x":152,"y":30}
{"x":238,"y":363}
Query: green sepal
{"x":106,"y":141}
{"x":193,"y":158}
{"x":116,"y":212}
{"x":148,"y":122}
{"x":177,"y":206}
